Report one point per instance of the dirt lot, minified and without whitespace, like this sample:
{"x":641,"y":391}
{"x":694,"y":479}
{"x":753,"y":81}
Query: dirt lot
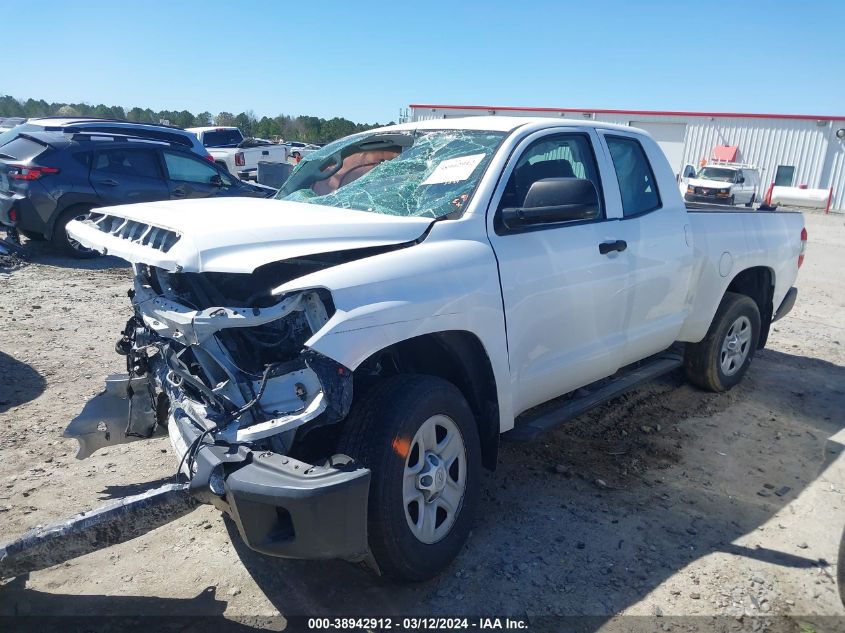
{"x":669,"y":501}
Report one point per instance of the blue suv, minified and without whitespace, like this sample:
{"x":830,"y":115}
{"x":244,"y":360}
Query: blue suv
{"x":53,"y":171}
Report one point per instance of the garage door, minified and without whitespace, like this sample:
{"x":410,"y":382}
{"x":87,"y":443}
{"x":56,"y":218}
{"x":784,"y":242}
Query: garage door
{"x":670,"y":137}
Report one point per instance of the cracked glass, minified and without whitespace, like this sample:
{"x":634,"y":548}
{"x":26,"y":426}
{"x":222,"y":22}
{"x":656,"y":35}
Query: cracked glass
{"x":429,"y":173}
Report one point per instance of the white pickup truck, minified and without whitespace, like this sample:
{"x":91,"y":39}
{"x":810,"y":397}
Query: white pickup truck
{"x":335,"y":367}
{"x":240,"y":155}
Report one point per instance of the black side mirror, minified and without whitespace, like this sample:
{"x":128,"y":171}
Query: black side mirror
{"x":741,"y":179}
{"x":554,"y":200}
{"x":217,"y":180}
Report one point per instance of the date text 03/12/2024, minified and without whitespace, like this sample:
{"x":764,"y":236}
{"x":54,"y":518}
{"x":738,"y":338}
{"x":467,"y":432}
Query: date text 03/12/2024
{"x":418,"y":623}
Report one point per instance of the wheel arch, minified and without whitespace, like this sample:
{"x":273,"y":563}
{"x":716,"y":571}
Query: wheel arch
{"x":758,"y":283}
{"x":457,"y":356}
{"x":66,"y":202}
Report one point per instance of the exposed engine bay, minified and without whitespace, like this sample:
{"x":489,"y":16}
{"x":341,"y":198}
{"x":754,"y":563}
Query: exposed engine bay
{"x":240,"y":372}
{"x":220,"y":363}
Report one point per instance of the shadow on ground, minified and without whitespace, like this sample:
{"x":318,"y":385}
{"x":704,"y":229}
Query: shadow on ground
{"x":42,"y":252}
{"x":46,"y":612}
{"x":19,"y":382}
{"x":591,"y":518}
{"x":558,"y":543}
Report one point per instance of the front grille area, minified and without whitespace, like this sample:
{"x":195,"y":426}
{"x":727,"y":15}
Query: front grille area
{"x":136,"y":232}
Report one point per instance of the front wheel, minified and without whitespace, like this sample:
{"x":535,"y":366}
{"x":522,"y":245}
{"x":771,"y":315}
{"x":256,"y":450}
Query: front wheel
{"x":750,"y":203}
{"x":418,"y":437}
{"x":721,"y":359}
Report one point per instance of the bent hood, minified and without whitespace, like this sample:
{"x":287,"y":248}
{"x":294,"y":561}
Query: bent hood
{"x":235,"y":235}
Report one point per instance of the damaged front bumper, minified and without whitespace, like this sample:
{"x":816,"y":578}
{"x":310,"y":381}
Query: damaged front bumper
{"x":283,"y":506}
{"x":231,"y":429}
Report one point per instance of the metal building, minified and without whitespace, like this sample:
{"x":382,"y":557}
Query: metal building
{"x":792,"y":150}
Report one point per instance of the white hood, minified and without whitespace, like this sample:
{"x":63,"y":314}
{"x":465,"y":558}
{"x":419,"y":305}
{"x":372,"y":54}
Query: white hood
{"x":236,"y":234}
{"x":710,"y":184}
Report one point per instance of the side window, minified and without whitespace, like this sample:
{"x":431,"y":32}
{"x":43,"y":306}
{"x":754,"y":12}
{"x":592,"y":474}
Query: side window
{"x":558,"y":156}
{"x":187,"y":169}
{"x":127,"y":162}
{"x":636,"y":180}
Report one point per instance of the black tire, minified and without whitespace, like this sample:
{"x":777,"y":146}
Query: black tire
{"x":703,"y":360}
{"x":385,"y":419}
{"x":32,"y":235}
{"x":60,"y":239}
{"x":840,"y":569}
{"x":750,"y":203}
{"x":732,"y":200}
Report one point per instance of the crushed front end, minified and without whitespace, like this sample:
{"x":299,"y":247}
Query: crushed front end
{"x":222,"y":365}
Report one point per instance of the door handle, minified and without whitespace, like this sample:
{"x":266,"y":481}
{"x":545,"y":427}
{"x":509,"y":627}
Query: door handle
{"x":179,"y":192}
{"x":109,"y":182}
{"x":607,"y":247}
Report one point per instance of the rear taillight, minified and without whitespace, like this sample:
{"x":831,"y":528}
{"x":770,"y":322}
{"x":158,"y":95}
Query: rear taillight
{"x":239,"y":159}
{"x":13,"y":215}
{"x":803,"y":247}
{"x":209,"y":157}
{"x":22,"y":172}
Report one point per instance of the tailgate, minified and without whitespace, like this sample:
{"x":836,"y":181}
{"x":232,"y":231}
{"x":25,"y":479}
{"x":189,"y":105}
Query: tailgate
{"x":269,"y":153}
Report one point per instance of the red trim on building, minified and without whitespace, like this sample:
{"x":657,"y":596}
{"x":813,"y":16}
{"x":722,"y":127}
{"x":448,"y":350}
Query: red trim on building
{"x":741,"y":115}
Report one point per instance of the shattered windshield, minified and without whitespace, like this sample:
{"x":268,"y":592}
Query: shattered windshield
{"x":429,"y":173}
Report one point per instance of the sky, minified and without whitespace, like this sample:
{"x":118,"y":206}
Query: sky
{"x":366,"y":60}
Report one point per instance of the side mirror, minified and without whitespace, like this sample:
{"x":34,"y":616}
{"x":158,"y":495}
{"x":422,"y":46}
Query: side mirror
{"x":554,"y":200}
{"x":217,"y":180}
{"x":741,"y":179}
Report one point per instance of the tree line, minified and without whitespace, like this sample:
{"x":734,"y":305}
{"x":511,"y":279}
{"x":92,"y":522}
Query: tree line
{"x":308,"y":129}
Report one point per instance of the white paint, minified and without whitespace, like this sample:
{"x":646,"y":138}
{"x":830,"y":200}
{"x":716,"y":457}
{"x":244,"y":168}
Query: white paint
{"x":572,"y":314}
{"x":797,"y":197}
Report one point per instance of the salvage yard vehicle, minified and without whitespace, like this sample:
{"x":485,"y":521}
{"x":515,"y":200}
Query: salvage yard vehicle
{"x":48,"y":178}
{"x":724,"y":183}
{"x":236,"y":153}
{"x":297,"y":149}
{"x":335,"y":367}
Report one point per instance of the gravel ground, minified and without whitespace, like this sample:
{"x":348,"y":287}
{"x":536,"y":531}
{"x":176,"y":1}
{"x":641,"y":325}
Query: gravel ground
{"x":668,"y":501}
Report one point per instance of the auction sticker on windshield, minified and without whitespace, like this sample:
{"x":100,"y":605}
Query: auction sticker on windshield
{"x":454,"y":169}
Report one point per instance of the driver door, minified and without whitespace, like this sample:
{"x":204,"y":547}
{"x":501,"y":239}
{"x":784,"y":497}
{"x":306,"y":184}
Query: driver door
{"x":190,"y":177}
{"x":563,"y":298}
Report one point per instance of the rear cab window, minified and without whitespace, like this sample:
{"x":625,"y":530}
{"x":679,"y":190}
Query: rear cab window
{"x":637,"y":184}
{"x":222,"y":138}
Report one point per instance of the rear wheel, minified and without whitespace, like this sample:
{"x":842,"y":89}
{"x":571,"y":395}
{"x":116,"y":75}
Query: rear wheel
{"x":418,"y":437}
{"x":63,"y":242}
{"x":720,"y":361}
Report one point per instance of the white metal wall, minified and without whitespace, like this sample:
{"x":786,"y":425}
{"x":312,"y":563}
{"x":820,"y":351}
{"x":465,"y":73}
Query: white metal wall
{"x":810,"y":146}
